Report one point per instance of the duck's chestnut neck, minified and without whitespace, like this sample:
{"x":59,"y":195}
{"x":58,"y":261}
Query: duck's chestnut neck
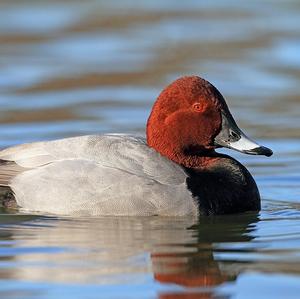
{"x":174,"y":150}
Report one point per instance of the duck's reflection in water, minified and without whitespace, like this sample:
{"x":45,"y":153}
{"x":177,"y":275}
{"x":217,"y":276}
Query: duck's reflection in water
{"x":197,"y":267}
{"x":116,"y":250}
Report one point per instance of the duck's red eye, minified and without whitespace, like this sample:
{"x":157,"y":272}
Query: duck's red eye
{"x":198,"y":107}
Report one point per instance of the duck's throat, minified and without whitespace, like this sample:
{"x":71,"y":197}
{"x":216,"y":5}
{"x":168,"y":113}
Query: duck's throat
{"x":194,"y":161}
{"x":180,"y":151}
{"x":188,"y":158}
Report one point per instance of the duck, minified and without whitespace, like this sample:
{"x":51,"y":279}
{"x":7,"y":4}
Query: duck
{"x":174,"y":170}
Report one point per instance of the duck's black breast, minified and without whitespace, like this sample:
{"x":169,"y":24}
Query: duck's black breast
{"x":223,"y":187}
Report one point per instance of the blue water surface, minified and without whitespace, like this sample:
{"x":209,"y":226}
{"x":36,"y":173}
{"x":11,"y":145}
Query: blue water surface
{"x":70,"y":68}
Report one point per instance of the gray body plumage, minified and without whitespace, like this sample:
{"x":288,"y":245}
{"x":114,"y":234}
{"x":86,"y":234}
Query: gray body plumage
{"x":109,"y":174}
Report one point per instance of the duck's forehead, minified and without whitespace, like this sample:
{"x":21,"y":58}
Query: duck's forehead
{"x":186,"y":91}
{"x":199,"y":93}
{"x":191,"y":89}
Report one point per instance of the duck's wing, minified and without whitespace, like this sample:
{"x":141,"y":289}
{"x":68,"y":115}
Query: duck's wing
{"x":8,"y":170}
{"x":101,"y":175}
{"x":125,"y":152}
{"x":17,"y":159}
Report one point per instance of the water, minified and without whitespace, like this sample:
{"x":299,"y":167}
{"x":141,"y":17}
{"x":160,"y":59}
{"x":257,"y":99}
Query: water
{"x":79,"y":67}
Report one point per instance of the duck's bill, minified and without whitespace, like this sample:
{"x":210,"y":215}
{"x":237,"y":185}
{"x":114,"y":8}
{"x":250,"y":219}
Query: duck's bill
{"x":247,"y":146}
{"x":232,"y":137}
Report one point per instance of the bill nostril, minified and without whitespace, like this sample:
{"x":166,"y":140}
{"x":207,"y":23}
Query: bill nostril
{"x":234,"y":135}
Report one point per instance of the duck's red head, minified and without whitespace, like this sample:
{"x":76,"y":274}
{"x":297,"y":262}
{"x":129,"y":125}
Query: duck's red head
{"x":190,"y":119}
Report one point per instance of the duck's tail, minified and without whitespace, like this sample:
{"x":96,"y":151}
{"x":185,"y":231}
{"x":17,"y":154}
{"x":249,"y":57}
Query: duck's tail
{"x":7,"y":198}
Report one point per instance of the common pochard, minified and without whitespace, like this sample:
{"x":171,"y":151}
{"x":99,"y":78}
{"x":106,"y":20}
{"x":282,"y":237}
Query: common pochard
{"x":174,"y":171}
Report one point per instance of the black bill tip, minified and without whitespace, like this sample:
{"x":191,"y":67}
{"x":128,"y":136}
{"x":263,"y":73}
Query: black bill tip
{"x":261,"y":150}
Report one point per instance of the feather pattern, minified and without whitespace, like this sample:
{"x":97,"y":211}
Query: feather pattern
{"x":96,"y":175}
{"x":8,"y":170}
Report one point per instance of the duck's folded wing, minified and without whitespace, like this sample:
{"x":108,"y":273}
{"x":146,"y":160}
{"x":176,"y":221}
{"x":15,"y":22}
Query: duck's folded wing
{"x":125,"y":152}
{"x":29,"y":155}
{"x":9,"y":170}
{"x":100,"y":175}
{"x":17,"y":159}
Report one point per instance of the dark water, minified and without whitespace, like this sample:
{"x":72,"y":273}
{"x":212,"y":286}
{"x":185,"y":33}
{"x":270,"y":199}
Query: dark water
{"x":79,"y":67}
